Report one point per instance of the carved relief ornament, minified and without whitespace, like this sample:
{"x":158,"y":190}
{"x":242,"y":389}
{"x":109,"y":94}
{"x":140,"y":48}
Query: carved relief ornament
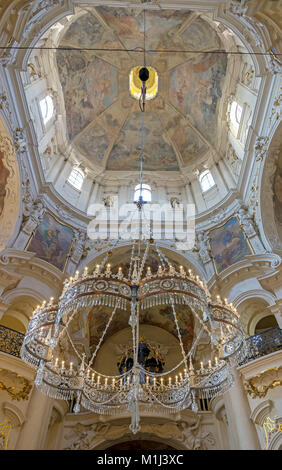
{"x":15,"y":385}
{"x":259,"y":385}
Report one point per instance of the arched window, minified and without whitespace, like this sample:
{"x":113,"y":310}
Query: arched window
{"x":236,"y":114}
{"x":146,"y":192}
{"x":46,"y":108}
{"x":206,"y":180}
{"x":76,"y":178}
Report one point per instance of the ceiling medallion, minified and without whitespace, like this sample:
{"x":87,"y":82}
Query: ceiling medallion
{"x":135,"y":83}
{"x":69,"y":373}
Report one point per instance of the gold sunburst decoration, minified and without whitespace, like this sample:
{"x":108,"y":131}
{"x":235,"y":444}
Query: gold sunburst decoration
{"x":135,"y":83}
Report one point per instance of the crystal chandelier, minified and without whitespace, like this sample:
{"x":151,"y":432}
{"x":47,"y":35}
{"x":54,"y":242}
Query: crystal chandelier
{"x":174,"y":389}
{"x":66,"y":373}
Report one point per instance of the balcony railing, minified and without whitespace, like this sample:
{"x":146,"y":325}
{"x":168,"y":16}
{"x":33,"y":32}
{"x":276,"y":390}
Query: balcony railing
{"x":261,"y":344}
{"x":10,"y":341}
{"x":258,"y":345}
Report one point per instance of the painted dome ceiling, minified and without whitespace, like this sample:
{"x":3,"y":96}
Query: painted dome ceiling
{"x":104,"y":121}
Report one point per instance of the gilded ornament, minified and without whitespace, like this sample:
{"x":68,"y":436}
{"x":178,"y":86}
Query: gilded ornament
{"x":260,"y":384}
{"x":15,"y":385}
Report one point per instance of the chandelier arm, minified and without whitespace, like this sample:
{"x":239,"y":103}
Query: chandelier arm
{"x":162,"y":257}
{"x":66,"y":325}
{"x":178,"y":330}
{"x":104,"y":332}
{"x":120,"y":376}
{"x":193,"y":347}
{"x":196,"y":315}
{"x":175,"y":318}
{"x":143,"y":262}
{"x":131,"y":260}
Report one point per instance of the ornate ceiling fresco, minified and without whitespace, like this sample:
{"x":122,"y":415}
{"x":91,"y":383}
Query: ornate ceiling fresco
{"x":104,"y":121}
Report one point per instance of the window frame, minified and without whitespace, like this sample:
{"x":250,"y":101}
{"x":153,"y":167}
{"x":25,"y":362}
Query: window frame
{"x":235,"y":124}
{"x":47,"y":99}
{"x":77,"y":171}
{"x":206,"y":174}
{"x":146,"y":189}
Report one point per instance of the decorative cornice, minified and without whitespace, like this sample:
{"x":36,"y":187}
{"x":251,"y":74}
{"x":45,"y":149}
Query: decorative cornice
{"x":252,"y":266}
{"x":259,"y":385}
{"x":26,"y":263}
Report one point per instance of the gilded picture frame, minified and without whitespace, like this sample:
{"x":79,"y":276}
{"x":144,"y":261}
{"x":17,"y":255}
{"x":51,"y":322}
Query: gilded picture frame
{"x":229,"y":246}
{"x":52,"y":241}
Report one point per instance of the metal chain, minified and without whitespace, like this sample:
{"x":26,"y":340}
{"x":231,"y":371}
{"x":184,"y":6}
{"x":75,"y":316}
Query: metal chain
{"x":104,"y":332}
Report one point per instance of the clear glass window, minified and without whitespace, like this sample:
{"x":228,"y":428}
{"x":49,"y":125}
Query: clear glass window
{"x":76,"y":178}
{"x":206,"y":180}
{"x":146,"y":192}
{"x":46,"y":108}
{"x":236,"y":114}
